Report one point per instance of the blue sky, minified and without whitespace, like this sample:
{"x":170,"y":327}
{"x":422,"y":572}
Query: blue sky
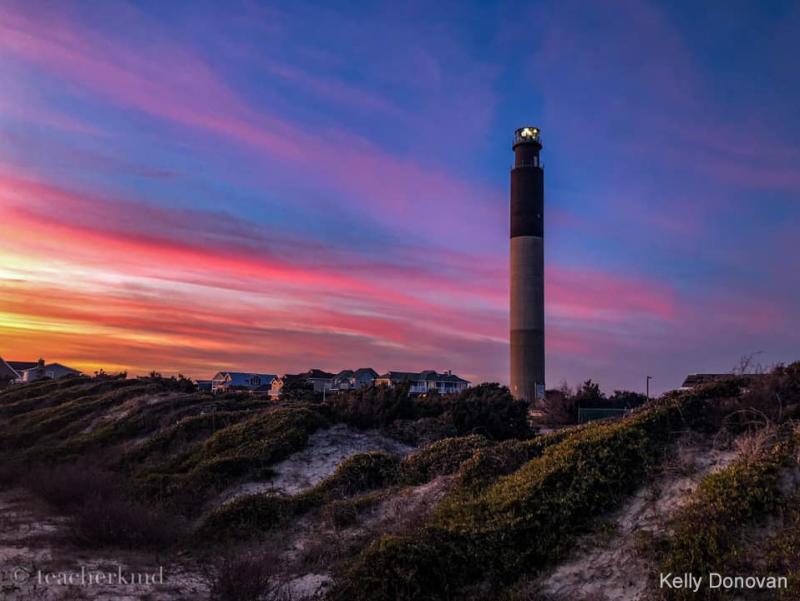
{"x":276,"y":186}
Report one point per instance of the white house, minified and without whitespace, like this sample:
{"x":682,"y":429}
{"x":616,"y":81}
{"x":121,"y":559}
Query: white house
{"x":30,"y":371}
{"x":225,"y":381}
{"x":424,"y":381}
{"x":348,"y":379}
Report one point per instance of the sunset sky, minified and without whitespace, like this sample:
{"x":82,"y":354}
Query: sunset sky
{"x":278,"y":186}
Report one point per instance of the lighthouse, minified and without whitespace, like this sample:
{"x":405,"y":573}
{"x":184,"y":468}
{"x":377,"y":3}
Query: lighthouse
{"x":527,"y":266}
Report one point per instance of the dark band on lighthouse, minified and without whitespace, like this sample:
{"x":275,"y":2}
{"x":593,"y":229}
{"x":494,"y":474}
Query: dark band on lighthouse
{"x":527,"y":266}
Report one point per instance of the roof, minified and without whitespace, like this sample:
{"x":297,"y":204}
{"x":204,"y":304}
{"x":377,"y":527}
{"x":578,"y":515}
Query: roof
{"x":346,"y":373}
{"x":428,"y":375}
{"x":313,"y":374}
{"x":366,"y":371}
{"x":6,"y":371}
{"x":19,"y":366}
{"x":693,"y":380}
{"x":399,"y":376}
{"x":62,"y":366}
{"x":239,"y":378}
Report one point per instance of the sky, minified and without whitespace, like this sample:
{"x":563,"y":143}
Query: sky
{"x":199,"y":186}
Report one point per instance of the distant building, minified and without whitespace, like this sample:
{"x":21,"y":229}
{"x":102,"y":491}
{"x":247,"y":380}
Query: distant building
{"x":55,"y":371}
{"x":320,"y":380}
{"x":31,"y":371}
{"x":424,"y":381}
{"x":695,"y":380}
{"x":315,"y":379}
{"x":7,"y":374}
{"x":21,"y":366}
{"x":226,"y":381}
{"x":354,"y":380}
{"x":204,"y":385}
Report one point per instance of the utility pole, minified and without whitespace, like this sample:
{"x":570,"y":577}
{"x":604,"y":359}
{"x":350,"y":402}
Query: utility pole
{"x":648,"y":386}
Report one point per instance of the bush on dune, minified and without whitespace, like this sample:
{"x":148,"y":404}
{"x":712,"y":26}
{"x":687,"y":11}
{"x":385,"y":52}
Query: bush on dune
{"x":707,"y":533}
{"x":188,"y":430}
{"x":40,"y":389}
{"x":487,"y":409}
{"x":489,"y":463}
{"x":101,"y":514}
{"x":254,"y":514}
{"x":41,"y":429}
{"x":244,"y":450}
{"x":440,"y":458}
{"x":521,"y":522}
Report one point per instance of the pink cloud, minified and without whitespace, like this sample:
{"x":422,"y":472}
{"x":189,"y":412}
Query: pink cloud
{"x":197,"y":98}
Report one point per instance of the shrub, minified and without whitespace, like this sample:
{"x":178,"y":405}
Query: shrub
{"x":487,"y":409}
{"x":490,"y":410}
{"x":782,"y":550}
{"x":440,"y":458}
{"x":361,"y":472}
{"x":374,"y":406}
{"x":69,"y":486}
{"x":35,"y":432}
{"x":242,"y":450}
{"x":706,"y":532}
{"x":247,"y":574}
{"x":101,"y":515}
{"x":341,"y":513}
{"x":547,"y":500}
{"x":189,"y":429}
{"x":113,"y":520}
{"x":489,"y":463}
{"x":254,"y":514}
{"x":247,"y":517}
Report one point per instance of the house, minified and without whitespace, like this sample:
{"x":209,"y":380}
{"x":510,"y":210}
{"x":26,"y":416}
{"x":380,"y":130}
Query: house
{"x":204,"y":385}
{"x":316,"y":380}
{"x":7,"y":374}
{"x":353,"y":380}
{"x":320,"y":380}
{"x":20,"y":366}
{"x":424,"y":381}
{"x":226,"y":381}
{"x":695,"y":380}
{"x":280,"y":382}
{"x":54,"y":371}
{"x":30,"y":371}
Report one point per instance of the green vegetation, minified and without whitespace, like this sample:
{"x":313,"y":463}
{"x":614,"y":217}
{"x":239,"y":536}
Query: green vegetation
{"x":707,"y":534}
{"x":488,"y":409}
{"x":244,"y":450}
{"x":250,"y":515}
{"x":523,"y":521}
{"x":491,"y":462}
{"x":511,"y":503}
{"x":440,"y":458}
{"x":782,"y":550}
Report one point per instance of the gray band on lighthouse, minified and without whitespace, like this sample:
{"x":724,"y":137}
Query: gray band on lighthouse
{"x":527,"y":284}
{"x":527,"y":362}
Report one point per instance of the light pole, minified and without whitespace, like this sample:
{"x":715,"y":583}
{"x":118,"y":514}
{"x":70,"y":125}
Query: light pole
{"x":648,"y":386}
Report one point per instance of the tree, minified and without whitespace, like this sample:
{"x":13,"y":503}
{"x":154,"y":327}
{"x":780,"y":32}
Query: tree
{"x":626,"y":399}
{"x":298,"y":388}
{"x":491,"y":410}
{"x":590,"y":395}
